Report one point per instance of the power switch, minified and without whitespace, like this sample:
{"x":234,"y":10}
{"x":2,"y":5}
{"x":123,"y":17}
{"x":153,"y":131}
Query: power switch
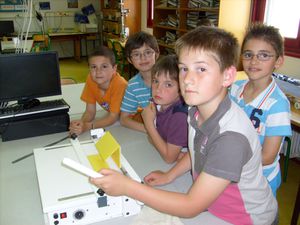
{"x":63,"y":215}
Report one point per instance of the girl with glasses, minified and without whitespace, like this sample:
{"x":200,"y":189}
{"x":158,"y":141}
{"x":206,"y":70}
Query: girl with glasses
{"x":260,"y":97}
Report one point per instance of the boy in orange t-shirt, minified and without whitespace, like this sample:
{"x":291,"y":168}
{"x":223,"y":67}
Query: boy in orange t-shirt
{"x":104,"y":86}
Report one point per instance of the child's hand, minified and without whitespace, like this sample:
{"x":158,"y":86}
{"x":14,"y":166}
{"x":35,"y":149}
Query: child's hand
{"x":180,"y":156}
{"x":149,"y":113}
{"x":76,"y":127}
{"x":112,"y":183}
{"x":157,"y":178}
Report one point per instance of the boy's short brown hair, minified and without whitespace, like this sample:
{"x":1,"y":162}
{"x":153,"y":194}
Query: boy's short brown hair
{"x":212,"y":39}
{"x":138,"y":39}
{"x":105,"y":52}
{"x":166,"y":65}
{"x":266,"y":33}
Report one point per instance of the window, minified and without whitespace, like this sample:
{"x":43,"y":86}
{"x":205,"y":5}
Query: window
{"x":150,"y":13}
{"x":284,"y":15}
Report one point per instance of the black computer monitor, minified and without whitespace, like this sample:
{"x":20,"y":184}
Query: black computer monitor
{"x":6,"y":28}
{"x":27,"y":76}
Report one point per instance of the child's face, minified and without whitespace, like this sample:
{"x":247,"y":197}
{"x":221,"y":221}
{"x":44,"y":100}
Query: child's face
{"x":165,"y":91}
{"x":101,"y":69}
{"x":201,"y":81}
{"x":143,"y":58}
{"x":259,"y":68}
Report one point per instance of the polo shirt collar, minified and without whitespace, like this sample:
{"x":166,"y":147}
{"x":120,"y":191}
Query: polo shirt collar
{"x":213,"y":121}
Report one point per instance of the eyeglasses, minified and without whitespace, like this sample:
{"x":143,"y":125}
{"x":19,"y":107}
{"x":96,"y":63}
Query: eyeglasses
{"x":138,"y":55}
{"x":103,"y":67}
{"x":261,"y":56}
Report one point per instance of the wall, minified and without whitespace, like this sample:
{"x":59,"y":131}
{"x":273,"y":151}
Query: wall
{"x":234,"y":16}
{"x":59,"y":18}
{"x":291,"y":67}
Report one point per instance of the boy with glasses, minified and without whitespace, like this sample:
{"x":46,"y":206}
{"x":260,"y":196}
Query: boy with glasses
{"x":260,"y":97}
{"x":142,"y":51}
{"x":105,"y":86}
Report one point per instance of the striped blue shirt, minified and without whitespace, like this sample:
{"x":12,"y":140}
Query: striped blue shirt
{"x":270,"y":116}
{"x":136,"y":95}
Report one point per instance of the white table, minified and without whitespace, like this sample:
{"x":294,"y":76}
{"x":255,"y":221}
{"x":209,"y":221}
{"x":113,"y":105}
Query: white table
{"x":27,"y":45}
{"x":19,"y":191}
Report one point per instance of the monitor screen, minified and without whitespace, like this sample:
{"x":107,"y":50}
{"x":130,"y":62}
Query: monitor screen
{"x":6,"y":27}
{"x":27,"y":76}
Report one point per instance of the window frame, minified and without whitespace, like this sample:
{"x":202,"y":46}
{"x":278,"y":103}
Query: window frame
{"x":291,"y":45}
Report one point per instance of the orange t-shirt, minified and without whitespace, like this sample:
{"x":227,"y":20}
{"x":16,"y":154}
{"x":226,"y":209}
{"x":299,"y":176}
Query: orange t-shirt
{"x":112,"y":99}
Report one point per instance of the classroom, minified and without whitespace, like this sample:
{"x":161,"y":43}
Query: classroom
{"x":47,"y":113}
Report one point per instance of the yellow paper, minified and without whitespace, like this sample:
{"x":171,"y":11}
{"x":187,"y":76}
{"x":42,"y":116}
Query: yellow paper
{"x":107,"y":147}
{"x":97,"y":162}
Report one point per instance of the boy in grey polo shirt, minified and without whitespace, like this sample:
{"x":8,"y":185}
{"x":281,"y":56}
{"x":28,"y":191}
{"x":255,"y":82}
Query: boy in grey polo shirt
{"x":225,"y":156}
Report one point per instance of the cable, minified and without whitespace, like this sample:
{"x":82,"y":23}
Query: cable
{"x":28,"y":27}
{"x":51,"y":144}
{"x":20,"y":34}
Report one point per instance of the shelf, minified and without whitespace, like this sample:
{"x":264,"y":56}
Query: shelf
{"x":165,"y":45}
{"x":184,"y":17}
{"x":112,"y":22}
{"x":207,"y":9}
{"x":165,"y":8}
{"x":166,"y":27}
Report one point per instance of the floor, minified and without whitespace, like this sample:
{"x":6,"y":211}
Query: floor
{"x":78,"y":71}
{"x":286,"y":195}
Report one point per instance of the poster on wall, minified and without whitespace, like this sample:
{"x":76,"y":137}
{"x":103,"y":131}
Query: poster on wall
{"x":11,"y":5}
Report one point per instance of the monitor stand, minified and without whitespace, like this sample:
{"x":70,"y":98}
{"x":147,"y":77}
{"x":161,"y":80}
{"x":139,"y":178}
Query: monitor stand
{"x":36,"y":126}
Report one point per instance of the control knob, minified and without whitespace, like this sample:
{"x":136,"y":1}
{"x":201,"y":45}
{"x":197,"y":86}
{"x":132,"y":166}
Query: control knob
{"x":79,"y":214}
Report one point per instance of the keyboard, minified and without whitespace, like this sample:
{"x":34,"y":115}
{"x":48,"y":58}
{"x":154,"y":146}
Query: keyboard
{"x":43,"y":107}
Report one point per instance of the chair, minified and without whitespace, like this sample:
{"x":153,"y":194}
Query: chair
{"x":41,"y":42}
{"x":93,"y":38}
{"x":110,"y":43}
{"x":67,"y":80}
{"x":120,"y":57}
{"x":287,"y":157}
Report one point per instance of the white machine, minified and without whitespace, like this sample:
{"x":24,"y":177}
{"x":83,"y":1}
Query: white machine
{"x":67,"y":196}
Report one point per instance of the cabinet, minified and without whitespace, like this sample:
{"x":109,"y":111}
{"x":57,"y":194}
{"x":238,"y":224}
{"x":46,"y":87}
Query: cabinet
{"x":173,"y":18}
{"x":120,"y":13}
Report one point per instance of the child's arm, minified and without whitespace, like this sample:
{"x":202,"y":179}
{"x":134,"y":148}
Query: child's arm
{"x":202,"y":194}
{"x":89,"y":113}
{"x":127,"y":121}
{"x":270,"y":149}
{"x":88,"y":121}
{"x":169,"y":152}
{"x":85,"y":123}
{"x":161,"y":178}
{"x":107,"y":120}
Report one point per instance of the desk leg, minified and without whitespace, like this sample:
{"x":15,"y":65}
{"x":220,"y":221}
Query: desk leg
{"x":77,"y":49}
